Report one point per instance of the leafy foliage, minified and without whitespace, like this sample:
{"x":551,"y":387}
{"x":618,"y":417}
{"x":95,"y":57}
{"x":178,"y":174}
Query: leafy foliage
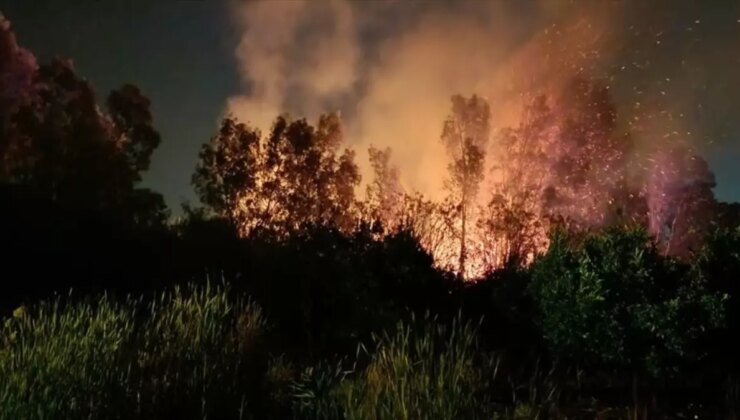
{"x":342,"y":287}
{"x":58,"y":142}
{"x":612,"y":298}
{"x":292,"y":177}
{"x":385,"y":195}
{"x":465,"y":135}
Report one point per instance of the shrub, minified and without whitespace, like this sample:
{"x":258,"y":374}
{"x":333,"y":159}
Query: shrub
{"x":610,"y":300}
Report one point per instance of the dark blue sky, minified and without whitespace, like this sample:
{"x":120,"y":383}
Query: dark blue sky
{"x":181,"y":53}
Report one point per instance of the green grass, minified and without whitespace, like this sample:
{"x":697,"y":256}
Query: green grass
{"x":200,"y":353}
{"x":58,"y":361}
{"x":191,"y":352}
{"x":426,"y":369}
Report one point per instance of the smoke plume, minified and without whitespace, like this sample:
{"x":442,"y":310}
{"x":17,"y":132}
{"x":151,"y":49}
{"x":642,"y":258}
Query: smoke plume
{"x":391,"y":66}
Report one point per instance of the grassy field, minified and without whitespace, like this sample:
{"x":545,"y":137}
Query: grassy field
{"x":188,"y":353}
{"x":205,"y":353}
{"x":200,"y":352}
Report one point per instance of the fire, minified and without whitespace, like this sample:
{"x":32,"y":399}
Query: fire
{"x":488,"y":246}
{"x":565,"y":157}
{"x":564,"y":164}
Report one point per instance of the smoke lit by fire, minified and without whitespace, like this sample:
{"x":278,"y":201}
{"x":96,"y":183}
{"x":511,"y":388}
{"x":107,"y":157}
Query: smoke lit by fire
{"x":596,"y":107}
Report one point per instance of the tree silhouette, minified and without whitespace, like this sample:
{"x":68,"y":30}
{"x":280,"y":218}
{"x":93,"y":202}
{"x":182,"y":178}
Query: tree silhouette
{"x":130,"y":113}
{"x":384,"y":195}
{"x":680,"y":200}
{"x":466,"y":134}
{"x":55,"y":139}
{"x":17,"y":69}
{"x":293,"y":177}
{"x":71,"y":170}
{"x":587,"y":156}
{"x":226,"y":175}
{"x":513,"y":223}
{"x":564,"y":163}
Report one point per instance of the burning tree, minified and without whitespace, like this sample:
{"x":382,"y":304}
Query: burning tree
{"x":512,"y":224}
{"x":680,"y":200}
{"x":466,"y":134}
{"x":587,"y":157}
{"x":385,"y":196}
{"x":294,"y":176}
{"x":567,"y":162}
{"x":563,"y":163}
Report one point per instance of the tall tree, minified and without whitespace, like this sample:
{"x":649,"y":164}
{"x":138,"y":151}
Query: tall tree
{"x":513,"y":225}
{"x":56,"y":140}
{"x":17,"y":69}
{"x":681,"y":202}
{"x":294,"y":176}
{"x":226,"y":178}
{"x":384,"y":195}
{"x":133,"y":124}
{"x":565,"y":162}
{"x":466,"y":134}
{"x":587,"y":156}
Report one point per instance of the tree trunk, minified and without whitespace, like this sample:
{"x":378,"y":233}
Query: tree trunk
{"x":461,"y":268}
{"x":463,"y":204}
{"x":731,"y":394}
{"x":639,"y":407}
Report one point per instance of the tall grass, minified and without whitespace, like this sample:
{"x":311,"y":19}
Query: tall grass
{"x":59,"y":361}
{"x":191,"y":353}
{"x":198,"y":352}
{"x":427,"y":369}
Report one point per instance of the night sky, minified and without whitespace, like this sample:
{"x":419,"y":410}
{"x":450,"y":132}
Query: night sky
{"x":183,"y":56}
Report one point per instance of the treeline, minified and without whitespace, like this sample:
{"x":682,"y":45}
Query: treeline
{"x":566,"y":275}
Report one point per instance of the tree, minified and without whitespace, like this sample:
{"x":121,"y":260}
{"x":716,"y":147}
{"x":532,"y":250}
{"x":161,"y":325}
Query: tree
{"x":293,"y":177}
{"x":727,"y":216}
{"x":74,"y":213}
{"x":384,"y":195}
{"x":680,"y":200}
{"x":466,"y":134}
{"x":513,"y":222}
{"x":611,"y":299}
{"x":226,"y":178}
{"x":17,"y":69}
{"x":564,"y":163}
{"x":129,"y":110}
{"x":55,"y":139}
{"x":587,"y":158}
{"x":512,"y":232}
